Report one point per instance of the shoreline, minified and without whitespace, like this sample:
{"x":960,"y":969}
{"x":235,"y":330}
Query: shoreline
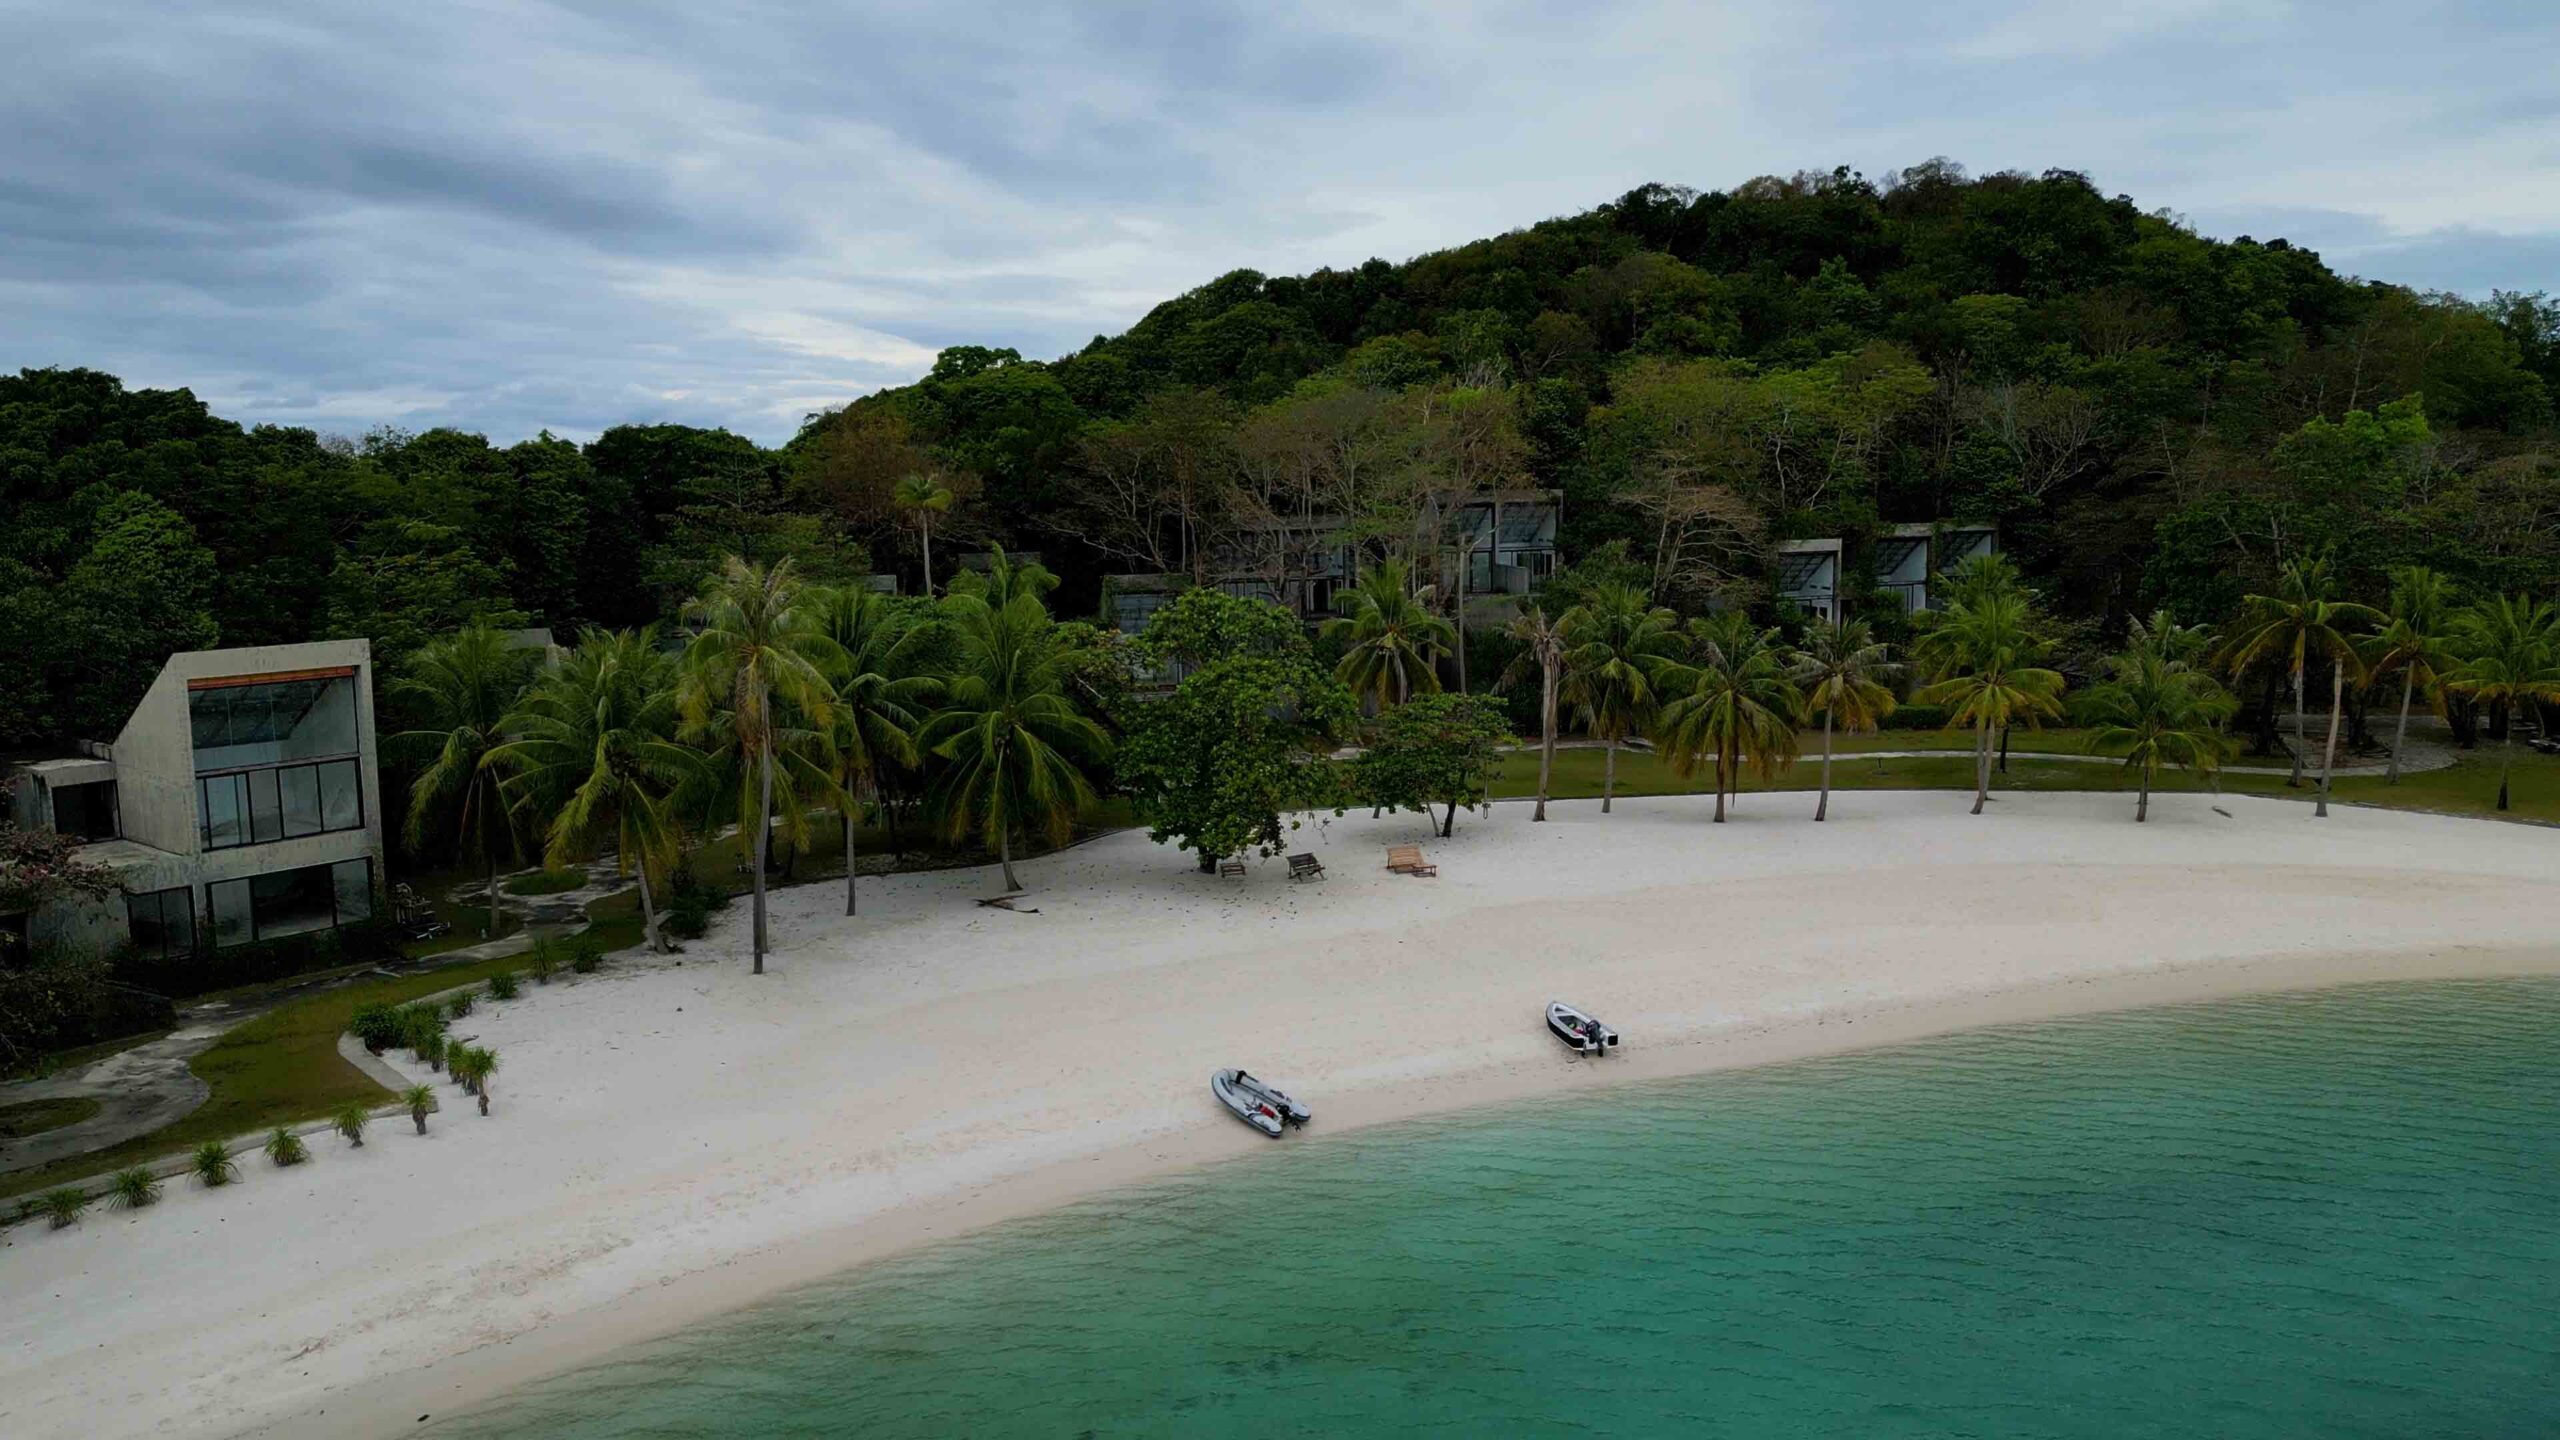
{"x":478,"y":1380}
{"x":673,"y":1139}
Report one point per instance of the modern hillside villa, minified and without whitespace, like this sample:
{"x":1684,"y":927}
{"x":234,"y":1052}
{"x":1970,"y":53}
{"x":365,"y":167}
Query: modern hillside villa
{"x":241,"y":802}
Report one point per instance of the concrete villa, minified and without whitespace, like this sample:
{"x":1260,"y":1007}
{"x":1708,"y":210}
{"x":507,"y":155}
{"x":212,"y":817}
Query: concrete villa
{"x":240,"y":802}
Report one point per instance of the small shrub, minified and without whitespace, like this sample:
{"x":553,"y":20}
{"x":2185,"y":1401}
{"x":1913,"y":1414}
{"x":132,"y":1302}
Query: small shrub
{"x":484,"y":1063}
{"x":542,"y":961}
{"x":420,"y":1099}
{"x":419,"y":1022}
{"x":503,"y":985}
{"x":433,"y":1050}
{"x":350,"y":1120}
{"x":213,"y":1164}
{"x":377,"y":1025}
{"x":584,"y":957}
{"x":63,"y":1206}
{"x":690,"y":904}
{"x":132,"y":1189}
{"x":286,"y":1148}
{"x":458,"y":1006}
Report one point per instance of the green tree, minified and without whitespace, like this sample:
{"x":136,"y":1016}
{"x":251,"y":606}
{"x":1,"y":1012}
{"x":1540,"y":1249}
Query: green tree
{"x":881,"y":692}
{"x":1391,"y":642}
{"x":757,"y":646}
{"x":2156,"y":709}
{"x":1734,"y":708}
{"x":2302,"y":623}
{"x":1015,"y":746}
{"x":2513,"y":645}
{"x":1542,"y":651}
{"x":1433,"y":750}
{"x":594,"y":747}
{"x":1615,"y":641}
{"x":1985,"y":652}
{"x":920,"y":496}
{"x":463,"y":688}
{"x":1241,"y":741}
{"x":2415,"y":640}
{"x":143,"y":591}
{"x":1843,"y":675}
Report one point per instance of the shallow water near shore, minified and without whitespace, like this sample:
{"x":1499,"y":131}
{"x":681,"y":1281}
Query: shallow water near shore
{"x":2334,"y":1213}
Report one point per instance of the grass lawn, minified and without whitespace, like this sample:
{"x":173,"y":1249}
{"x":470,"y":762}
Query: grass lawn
{"x":34,"y":1117}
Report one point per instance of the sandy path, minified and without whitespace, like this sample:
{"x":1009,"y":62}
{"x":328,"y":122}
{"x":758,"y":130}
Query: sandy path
{"x":676,"y":1139}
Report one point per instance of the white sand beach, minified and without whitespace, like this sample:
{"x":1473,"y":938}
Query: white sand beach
{"x":672,"y":1140}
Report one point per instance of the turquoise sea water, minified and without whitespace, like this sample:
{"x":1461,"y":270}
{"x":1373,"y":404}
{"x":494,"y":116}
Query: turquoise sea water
{"x":2334,"y":1214}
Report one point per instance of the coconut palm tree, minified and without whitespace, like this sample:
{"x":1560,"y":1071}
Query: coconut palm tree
{"x":922,"y":496}
{"x":2513,"y":642}
{"x":2157,"y":709}
{"x":1984,"y":651}
{"x":1614,"y":643}
{"x":1015,"y":744}
{"x":1004,"y":578}
{"x":2303,"y":622}
{"x":594,"y":747}
{"x":1391,"y":642}
{"x":881,"y":697}
{"x":1735,"y":707}
{"x":1541,"y":652}
{"x":757,"y":647}
{"x":462,"y":688}
{"x":2416,"y":640}
{"x":1843,"y":674}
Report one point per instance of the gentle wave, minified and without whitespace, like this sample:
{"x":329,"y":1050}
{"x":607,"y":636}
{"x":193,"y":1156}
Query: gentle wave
{"x":2328,"y":1214}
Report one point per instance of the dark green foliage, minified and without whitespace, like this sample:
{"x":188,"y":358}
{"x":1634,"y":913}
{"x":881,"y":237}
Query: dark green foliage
{"x":134,"y":1188}
{"x":585,"y":956}
{"x":213,"y":1164}
{"x":691,"y":902}
{"x":1433,"y":750}
{"x":543,"y":960}
{"x":356,"y":943}
{"x":378,"y":1027}
{"x":504,"y":985}
{"x":1915,"y":716}
{"x":458,"y":1006}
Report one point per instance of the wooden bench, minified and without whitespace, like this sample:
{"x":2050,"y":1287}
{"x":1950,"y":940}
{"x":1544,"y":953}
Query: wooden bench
{"x":1231,"y":868}
{"x":1303,"y":867}
{"x":1407,"y":860}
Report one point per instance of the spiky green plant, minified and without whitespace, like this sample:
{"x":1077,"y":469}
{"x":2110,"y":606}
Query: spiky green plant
{"x":1614,"y":644}
{"x":543,"y":961}
{"x":63,"y":1206}
{"x":286,"y":1148}
{"x":458,"y":1006}
{"x":2158,"y":710}
{"x":1017,"y":747}
{"x":1391,"y":641}
{"x":421,"y":1099}
{"x":433,"y":1050}
{"x":585,"y":956}
{"x":484,"y":1063}
{"x":134,"y":1188}
{"x":1985,"y":648}
{"x":213,"y":1165}
{"x":504,"y":985}
{"x":351,"y":1118}
{"x":1735,"y":709}
{"x":464,"y":686}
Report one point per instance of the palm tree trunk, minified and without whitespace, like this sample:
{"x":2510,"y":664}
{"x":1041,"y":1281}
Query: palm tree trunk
{"x":2400,"y":737}
{"x":489,"y":857}
{"x":1609,"y":777}
{"x":2506,"y":763}
{"x":1547,"y":746}
{"x":924,"y":523}
{"x":1981,"y":768}
{"x":764,"y":837}
{"x":1719,"y":782}
{"x":1004,"y":857}
{"x":649,"y":913}
{"x":2142,"y":801}
{"x":2329,"y":752}
{"x":2299,"y":743}
{"x":849,"y":866}
{"x":1822,"y":807}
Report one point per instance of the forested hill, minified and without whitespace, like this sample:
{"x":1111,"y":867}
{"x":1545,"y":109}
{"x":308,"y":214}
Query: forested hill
{"x":2153,"y":417}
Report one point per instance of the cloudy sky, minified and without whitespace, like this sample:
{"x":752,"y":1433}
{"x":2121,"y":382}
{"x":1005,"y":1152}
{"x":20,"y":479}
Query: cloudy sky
{"x":510,"y":215}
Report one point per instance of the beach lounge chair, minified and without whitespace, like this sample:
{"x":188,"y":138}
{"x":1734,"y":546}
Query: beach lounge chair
{"x":1302,"y":867}
{"x":1231,"y":868}
{"x":1407,"y":860}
